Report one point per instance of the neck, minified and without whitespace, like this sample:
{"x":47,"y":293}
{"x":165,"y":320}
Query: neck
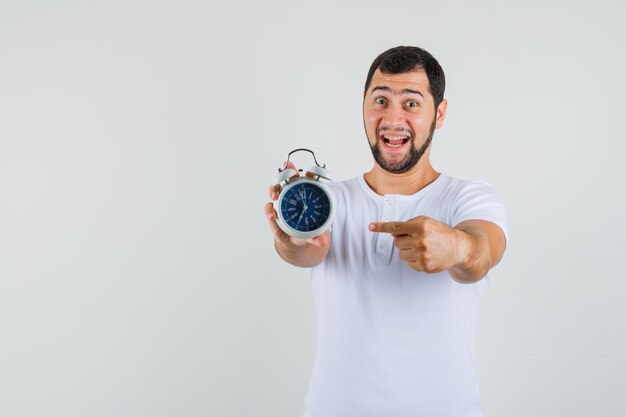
{"x":407,"y":183}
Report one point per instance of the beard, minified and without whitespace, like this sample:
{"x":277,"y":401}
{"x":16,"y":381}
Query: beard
{"x":409,"y":161}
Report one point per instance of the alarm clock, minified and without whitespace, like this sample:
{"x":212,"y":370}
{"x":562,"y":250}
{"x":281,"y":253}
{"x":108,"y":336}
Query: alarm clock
{"x":305,"y":205}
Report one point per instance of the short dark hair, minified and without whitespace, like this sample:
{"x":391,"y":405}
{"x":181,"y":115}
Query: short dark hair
{"x":403,"y":59}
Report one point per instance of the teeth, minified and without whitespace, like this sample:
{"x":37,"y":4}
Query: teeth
{"x":395,"y":141}
{"x":395,"y":137}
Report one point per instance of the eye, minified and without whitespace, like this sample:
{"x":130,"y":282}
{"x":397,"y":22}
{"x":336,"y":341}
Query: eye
{"x":412,"y":103}
{"x":381,"y":100}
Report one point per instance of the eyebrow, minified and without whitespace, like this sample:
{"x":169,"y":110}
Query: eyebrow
{"x":406,"y":90}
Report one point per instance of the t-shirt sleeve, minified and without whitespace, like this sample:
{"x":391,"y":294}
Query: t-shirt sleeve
{"x":477,"y":200}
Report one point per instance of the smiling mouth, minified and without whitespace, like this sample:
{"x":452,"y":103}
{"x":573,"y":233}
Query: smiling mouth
{"x":395,"y":141}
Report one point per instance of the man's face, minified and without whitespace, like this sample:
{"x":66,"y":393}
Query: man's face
{"x":400,"y":118}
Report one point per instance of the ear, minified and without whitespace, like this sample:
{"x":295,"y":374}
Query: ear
{"x":441,"y":113}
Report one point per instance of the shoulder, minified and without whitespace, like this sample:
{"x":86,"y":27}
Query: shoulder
{"x":345,"y":189}
{"x":462,"y":189}
{"x":476,"y":200}
{"x":344,"y":184}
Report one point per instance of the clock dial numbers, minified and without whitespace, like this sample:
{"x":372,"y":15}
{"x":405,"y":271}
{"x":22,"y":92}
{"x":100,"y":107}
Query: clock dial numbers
{"x":305,"y":207}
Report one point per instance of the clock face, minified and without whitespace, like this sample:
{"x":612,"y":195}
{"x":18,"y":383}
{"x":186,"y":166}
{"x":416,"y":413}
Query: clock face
{"x":305,"y":206}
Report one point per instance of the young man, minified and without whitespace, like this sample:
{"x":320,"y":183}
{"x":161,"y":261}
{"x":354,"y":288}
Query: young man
{"x":399,"y":281}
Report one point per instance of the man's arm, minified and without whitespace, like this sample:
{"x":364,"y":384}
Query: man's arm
{"x":468,"y":251}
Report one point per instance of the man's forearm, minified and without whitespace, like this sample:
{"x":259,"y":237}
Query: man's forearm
{"x":475,"y":258}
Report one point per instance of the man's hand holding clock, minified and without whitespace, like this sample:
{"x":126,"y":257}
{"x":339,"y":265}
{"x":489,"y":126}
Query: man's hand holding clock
{"x":283,"y":238}
{"x":297,"y":251}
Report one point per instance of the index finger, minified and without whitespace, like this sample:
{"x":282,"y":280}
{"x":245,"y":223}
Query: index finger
{"x":396,"y":228}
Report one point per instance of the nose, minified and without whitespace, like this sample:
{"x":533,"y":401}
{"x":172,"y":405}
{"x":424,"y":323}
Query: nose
{"x":394,"y":117}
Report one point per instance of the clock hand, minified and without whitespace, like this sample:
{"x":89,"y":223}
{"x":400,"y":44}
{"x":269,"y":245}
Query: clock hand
{"x":302,"y":214}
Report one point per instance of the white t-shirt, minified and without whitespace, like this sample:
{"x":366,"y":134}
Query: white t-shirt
{"x":394,"y":342}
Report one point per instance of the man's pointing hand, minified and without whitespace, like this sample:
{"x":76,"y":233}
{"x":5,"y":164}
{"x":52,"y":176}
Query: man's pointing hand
{"x":425,"y":244}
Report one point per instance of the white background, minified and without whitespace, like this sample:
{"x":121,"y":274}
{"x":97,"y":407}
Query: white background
{"x":137,"y":141}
